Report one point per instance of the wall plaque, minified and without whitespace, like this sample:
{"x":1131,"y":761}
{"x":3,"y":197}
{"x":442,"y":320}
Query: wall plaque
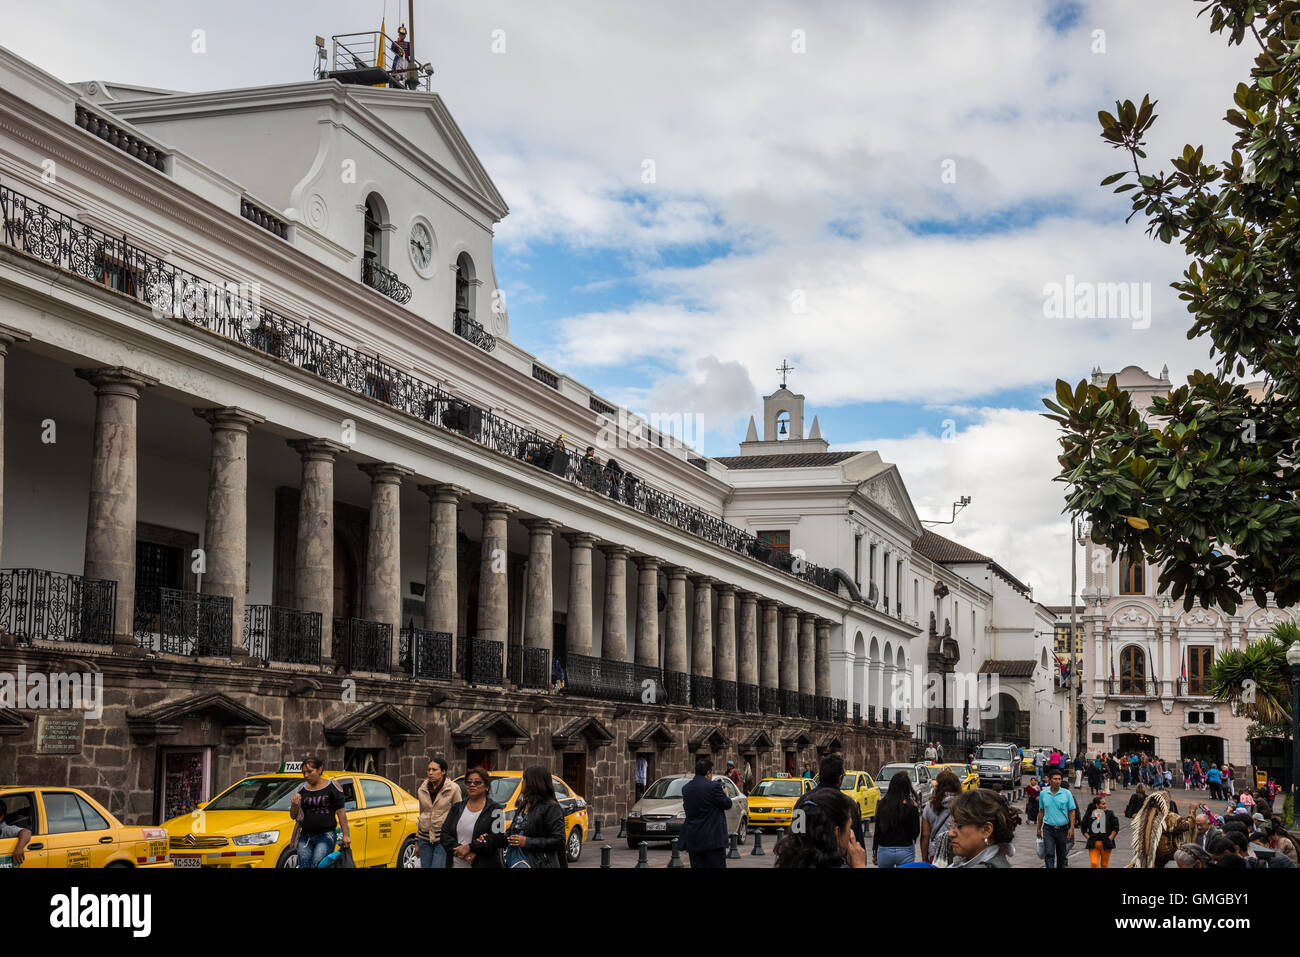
{"x":61,"y":733}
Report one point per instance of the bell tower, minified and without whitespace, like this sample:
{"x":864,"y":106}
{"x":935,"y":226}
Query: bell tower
{"x":783,"y":424}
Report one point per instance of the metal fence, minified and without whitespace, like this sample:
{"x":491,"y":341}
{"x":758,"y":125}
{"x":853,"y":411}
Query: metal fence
{"x":55,"y":606}
{"x":529,"y":667}
{"x":273,"y":633}
{"x":678,"y":686}
{"x":957,"y":743}
{"x":425,"y":654}
{"x":769,"y":700}
{"x":480,"y":661}
{"x":187,"y":623}
{"x":363,"y":645}
{"x":726,"y":695}
{"x":702,"y":691}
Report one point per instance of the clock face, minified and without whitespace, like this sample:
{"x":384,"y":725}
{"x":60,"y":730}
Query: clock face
{"x":421,"y":246}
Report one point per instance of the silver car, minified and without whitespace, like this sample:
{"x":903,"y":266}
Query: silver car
{"x":921,"y":775}
{"x":659,"y":815}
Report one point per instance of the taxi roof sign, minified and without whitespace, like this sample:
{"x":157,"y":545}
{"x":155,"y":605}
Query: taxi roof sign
{"x":290,"y":767}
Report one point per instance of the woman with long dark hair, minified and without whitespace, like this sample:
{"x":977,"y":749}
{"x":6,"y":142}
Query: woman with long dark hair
{"x":898,"y":824}
{"x":825,"y":836}
{"x":937,"y":813}
{"x":536,"y":833}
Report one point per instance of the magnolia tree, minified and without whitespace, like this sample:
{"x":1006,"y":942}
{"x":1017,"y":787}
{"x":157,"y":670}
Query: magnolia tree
{"x":1206,"y":487}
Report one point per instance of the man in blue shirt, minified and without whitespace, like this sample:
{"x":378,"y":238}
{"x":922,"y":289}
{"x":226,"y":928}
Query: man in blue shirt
{"x":1056,"y":814}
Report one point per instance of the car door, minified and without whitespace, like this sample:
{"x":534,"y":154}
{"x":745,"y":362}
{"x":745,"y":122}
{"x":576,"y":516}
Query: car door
{"x":22,"y":812}
{"x":70,"y":839}
{"x":567,"y":804}
{"x":384,"y":823}
{"x":871,"y":796}
{"x":738,"y":807}
{"x":358,"y":825}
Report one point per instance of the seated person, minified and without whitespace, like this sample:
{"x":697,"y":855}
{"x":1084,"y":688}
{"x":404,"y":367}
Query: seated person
{"x":10,"y":830}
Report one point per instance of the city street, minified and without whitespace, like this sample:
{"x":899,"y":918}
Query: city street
{"x":658,"y":855}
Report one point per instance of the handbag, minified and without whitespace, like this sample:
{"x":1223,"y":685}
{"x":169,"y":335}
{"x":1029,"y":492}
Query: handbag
{"x":515,"y":857}
{"x":344,"y":859}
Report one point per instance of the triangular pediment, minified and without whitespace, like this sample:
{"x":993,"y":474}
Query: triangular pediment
{"x":168,"y":717}
{"x":713,"y":737}
{"x":656,"y":733}
{"x":881,"y":485}
{"x":506,"y":729}
{"x":391,"y":720}
{"x":588,"y":728}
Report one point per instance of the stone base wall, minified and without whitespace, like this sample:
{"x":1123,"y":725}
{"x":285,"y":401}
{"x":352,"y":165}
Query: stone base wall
{"x":116,"y":757}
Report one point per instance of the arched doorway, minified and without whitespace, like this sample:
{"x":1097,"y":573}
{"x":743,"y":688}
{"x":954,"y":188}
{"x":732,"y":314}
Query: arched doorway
{"x":1006,"y":724}
{"x":1206,"y":748}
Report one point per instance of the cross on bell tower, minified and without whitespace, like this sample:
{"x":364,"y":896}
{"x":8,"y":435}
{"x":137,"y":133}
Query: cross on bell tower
{"x":785,"y":369}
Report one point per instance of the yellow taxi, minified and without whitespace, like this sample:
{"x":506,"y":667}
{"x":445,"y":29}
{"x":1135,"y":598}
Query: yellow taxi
{"x":71,"y":829}
{"x":859,"y":786}
{"x":248,"y":824}
{"x":771,"y":803}
{"x":505,"y":789}
{"x":965,"y":774}
{"x":1027,"y":762}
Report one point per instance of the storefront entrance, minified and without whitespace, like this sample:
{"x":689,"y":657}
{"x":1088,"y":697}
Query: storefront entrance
{"x":184,"y":780}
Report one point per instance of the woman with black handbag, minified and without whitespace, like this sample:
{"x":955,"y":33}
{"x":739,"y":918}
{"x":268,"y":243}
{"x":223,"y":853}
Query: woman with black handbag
{"x":536,"y":833}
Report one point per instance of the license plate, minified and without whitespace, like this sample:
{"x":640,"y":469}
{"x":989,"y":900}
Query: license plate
{"x":661,"y":826}
{"x":187,"y":861}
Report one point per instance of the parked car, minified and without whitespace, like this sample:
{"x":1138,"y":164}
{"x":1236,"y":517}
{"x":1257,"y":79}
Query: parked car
{"x":659,"y":815}
{"x":998,"y":764}
{"x":248,"y":824}
{"x":505,"y":789}
{"x":966,"y":774}
{"x":771,"y":802}
{"x":860,"y":786}
{"x":71,"y":829}
{"x":921,"y":774}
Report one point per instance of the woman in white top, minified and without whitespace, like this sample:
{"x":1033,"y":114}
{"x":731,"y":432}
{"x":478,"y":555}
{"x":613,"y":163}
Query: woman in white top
{"x":474,"y":831}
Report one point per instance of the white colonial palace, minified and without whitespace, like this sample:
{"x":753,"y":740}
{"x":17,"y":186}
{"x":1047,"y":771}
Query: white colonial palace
{"x":1147,"y":661}
{"x":274,"y":466}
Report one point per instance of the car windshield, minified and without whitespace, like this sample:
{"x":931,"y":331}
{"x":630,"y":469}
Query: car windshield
{"x":889,"y":770}
{"x":671,"y":788}
{"x":778,"y":789}
{"x":848,"y":782}
{"x":258,"y":794}
{"x":994,"y":754}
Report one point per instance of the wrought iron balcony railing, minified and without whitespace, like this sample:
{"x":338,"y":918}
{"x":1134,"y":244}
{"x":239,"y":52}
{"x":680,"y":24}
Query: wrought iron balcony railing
{"x":871,"y":715}
{"x":747,"y":698}
{"x":467,"y":328}
{"x":769,"y":700}
{"x":678,"y":686}
{"x":839,"y":711}
{"x":807,"y":706}
{"x":790,"y":703}
{"x":480,"y":661}
{"x":726,"y":695}
{"x":613,"y":680}
{"x":282,"y":634}
{"x":55,"y":606}
{"x":185,"y":623}
{"x":384,"y":280}
{"x":362,"y":645}
{"x":234,"y":313}
{"x":1133,"y":688}
{"x":528,"y":667}
{"x":702,"y":691}
{"x":425,"y":654}
{"x":1193,"y":687}
{"x":857,"y":713}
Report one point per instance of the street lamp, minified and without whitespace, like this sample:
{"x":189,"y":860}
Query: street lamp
{"x":1293,"y":659}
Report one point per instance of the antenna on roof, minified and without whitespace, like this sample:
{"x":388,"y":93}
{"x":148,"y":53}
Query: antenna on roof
{"x":957,"y":506}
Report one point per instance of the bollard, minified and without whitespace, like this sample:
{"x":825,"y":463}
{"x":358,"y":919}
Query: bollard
{"x":758,"y":846}
{"x":622,"y":828}
{"x":604,"y":855}
{"x":597,"y":836}
{"x":733,"y":854}
{"x":641,"y":859}
{"x":676,"y":859}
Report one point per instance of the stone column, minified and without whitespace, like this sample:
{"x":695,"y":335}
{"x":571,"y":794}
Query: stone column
{"x":789,"y":649}
{"x":702,"y":650}
{"x":384,"y":550}
{"x":747,"y":635}
{"x":577,"y":624}
{"x":440,"y":574}
{"x":613,"y":641}
{"x":539,"y":617}
{"x":823,"y":656}
{"x":225,"y":533}
{"x":8,"y":336}
{"x":493,"y":582}
{"x":807,"y":684}
{"x":770,"y":657}
{"x":647,"y":611}
{"x":724,"y":649}
{"x":110,"y":524}
{"x":675,"y":628}
{"x":313,"y":571}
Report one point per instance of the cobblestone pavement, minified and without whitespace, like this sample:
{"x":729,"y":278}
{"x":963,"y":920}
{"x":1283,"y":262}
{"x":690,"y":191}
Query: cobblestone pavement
{"x":658,"y":855}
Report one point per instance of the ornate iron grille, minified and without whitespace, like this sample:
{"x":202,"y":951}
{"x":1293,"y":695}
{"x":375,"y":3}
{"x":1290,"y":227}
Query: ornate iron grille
{"x":282,"y":634}
{"x":362,"y":645}
{"x":702,"y":691}
{"x":467,"y":328}
{"x":839,"y":711}
{"x":432,"y":653}
{"x":857,"y":713}
{"x":822,"y":707}
{"x":54,"y":606}
{"x":678,"y":686}
{"x":613,"y":680}
{"x":233,"y":312}
{"x":747,"y":699}
{"x":726,"y":695}
{"x":529,"y":667}
{"x":384,"y":280}
{"x":769,"y":701}
{"x":183,"y":623}
{"x":480,"y":661}
{"x":871,"y":715}
{"x":790,"y":703}
{"x":807,"y":706}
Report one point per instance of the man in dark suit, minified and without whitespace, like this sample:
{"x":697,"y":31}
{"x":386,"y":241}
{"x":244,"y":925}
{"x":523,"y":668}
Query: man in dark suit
{"x":704,"y":834}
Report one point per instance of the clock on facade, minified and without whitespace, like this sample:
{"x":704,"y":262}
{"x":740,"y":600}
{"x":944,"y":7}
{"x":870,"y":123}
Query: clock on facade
{"x":421,"y":246}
